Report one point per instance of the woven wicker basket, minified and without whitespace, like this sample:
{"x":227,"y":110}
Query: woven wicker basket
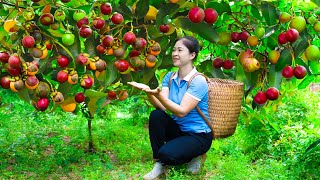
{"x":225,"y":97}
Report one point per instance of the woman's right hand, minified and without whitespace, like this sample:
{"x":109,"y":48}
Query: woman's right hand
{"x":139,"y":85}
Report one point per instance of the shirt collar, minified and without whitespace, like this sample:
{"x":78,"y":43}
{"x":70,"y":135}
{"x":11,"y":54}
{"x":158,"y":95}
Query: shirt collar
{"x":187,"y":77}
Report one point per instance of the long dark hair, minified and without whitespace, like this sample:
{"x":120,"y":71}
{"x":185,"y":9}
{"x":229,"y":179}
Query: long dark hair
{"x":191,"y":43}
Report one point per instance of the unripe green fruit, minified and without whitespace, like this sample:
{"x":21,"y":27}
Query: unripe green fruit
{"x":259,"y":32}
{"x":225,"y":38}
{"x":298,"y":23}
{"x":316,"y":26}
{"x":78,"y":14}
{"x":311,"y":20}
{"x":312,"y":53}
{"x":68,"y":39}
{"x":284,"y":17}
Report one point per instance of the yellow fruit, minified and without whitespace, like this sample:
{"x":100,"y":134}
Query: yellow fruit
{"x":225,"y":38}
{"x":174,"y":1}
{"x":253,"y":41}
{"x":68,"y":107}
{"x":273,"y":56}
{"x":151,"y":14}
{"x":150,"y":64}
{"x":44,"y":53}
{"x":92,"y":65}
{"x":298,"y":23}
{"x":10,"y":25}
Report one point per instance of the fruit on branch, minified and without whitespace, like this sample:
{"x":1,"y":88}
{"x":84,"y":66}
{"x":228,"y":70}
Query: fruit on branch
{"x":86,"y":81}
{"x":243,"y":36}
{"x":292,"y":35}
{"x":57,"y":97}
{"x":31,"y":82}
{"x":122,"y":65}
{"x":134,"y":53}
{"x":210,"y":15}
{"x":164,"y":28}
{"x":82,"y":22}
{"x":78,"y":14}
{"x":154,"y":48}
{"x":85,"y":31}
{"x":300,"y":72}
{"x":59,"y":15}
{"x":28,"y":14}
{"x":119,"y":52}
{"x":98,"y":23}
{"x":316,"y":26}
{"x":217,"y":63}
{"x":245,"y":54}
{"x":73,"y":77}
{"x":13,"y":71}
{"x":83,"y":59}
{"x":196,"y":15}
{"x":259,"y":32}
{"x":151,"y":61}
{"x":16,"y":85}
{"x":112,"y":95}
{"x":228,"y":64}
{"x":62,"y":76}
{"x":14,"y":61}
{"x":298,"y":23}
{"x":260,"y":97}
{"x":68,"y":39}
{"x":282,"y":39}
{"x":250,"y":64}
{"x":312,"y":53}
{"x":108,"y":41}
{"x":10,"y":25}
{"x":43,"y":104}
{"x":44,"y":52}
{"x":28,"y":42}
{"x":312,"y":19}
{"x":117,"y":18}
{"x":235,"y":37}
{"x":79,"y":97}
{"x":100,"y":65}
{"x":272,"y":93}
{"x":284,"y":17}
{"x":48,"y":44}
{"x":122,"y":95}
{"x":129,"y":37}
{"x":4,"y":57}
{"x":139,"y":44}
{"x":5,"y":82}
{"x":287,"y":72}
{"x":46,"y":19}
{"x":253,"y":40}
{"x":63,"y":61}
{"x":36,"y":52}
{"x":101,"y":49}
{"x":224,"y":38}
{"x":138,"y":62}
{"x":106,"y":9}
{"x":273,"y":56}
{"x":43,"y":89}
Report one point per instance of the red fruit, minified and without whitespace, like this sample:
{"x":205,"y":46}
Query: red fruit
{"x":272,"y":93}
{"x":121,"y":65}
{"x":43,"y":104}
{"x":4,"y":57}
{"x":62,"y":76}
{"x":79,"y":97}
{"x":106,"y":9}
{"x":235,"y":37}
{"x":14,"y":61}
{"x":85,"y":32}
{"x":63,"y":61}
{"x":122,"y":95}
{"x":112,"y":95}
{"x":164,"y":28}
{"x":227,"y":64}
{"x":210,"y":15}
{"x":13,"y":71}
{"x":86,"y":83}
{"x":196,"y":15}
{"x":139,"y":44}
{"x":82,"y":22}
{"x":46,"y":19}
{"x":217,"y":62}
{"x":287,"y":72}
{"x":134,"y":53}
{"x":292,"y":35}
{"x":282,"y":39}
{"x":98,"y":23}
{"x":32,"y":82}
{"x":129,"y":37}
{"x":260,"y":98}
{"x":243,"y":36}
{"x":101,"y":49}
{"x":117,"y":18}
{"x":5,"y":82}
{"x":100,"y":65}
{"x":82,"y":59}
{"x":108,"y":41}
{"x":28,"y":41}
{"x":299,"y":72}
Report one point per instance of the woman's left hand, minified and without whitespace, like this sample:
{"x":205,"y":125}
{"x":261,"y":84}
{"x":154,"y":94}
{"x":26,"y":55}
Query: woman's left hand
{"x":153,"y":91}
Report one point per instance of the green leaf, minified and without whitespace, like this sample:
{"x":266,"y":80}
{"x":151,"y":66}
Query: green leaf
{"x":252,"y":77}
{"x":306,"y":82}
{"x":94,"y":96}
{"x":301,"y":44}
{"x":315,"y":67}
{"x":124,"y":11}
{"x":111,"y":73}
{"x":3,"y":12}
{"x":317,"y":2}
{"x":255,"y":12}
{"x":220,"y":7}
{"x":203,"y":29}
{"x":240,"y":75}
{"x":284,"y":60}
{"x":274,"y":77}
{"x":91,"y":46}
{"x":313,"y":146}
{"x":164,"y":10}
{"x":3,"y":33}
{"x":269,"y":13}
{"x":142,"y":8}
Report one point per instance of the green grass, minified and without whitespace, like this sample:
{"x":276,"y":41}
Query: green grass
{"x":37,"y":145}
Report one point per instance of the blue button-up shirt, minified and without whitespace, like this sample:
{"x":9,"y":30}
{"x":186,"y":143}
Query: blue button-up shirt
{"x":198,"y":89}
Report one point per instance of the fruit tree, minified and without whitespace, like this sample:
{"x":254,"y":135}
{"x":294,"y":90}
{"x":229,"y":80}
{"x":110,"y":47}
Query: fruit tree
{"x":76,"y":53}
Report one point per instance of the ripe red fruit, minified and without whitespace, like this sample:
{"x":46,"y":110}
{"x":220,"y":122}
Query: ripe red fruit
{"x":43,"y":104}
{"x":101,"y":49}
{"x":164,"y":28}
{"x":243,"y":36}
{"x":112,"y":95}
{"x":108,"y":41}
{"x":196,"y":15}
{"x":210,"y":15}
{"x":5,"y":82}
{"x":4,"y":57}
{"x":129,"y":37}
{"x":106,"y":9}
{"x":300,"y":72}
{"x":287,"y":72}
{"x":32,"y":82}
{"x":62,"y":76}
{"x":46,"y":19}
{"x":28,"y":41}
{"x":292,"y":35}
{"x":14,"y":61}
{"x":134,"y":53}
{"x":139,"y":44}
{"x":13,"y":71}
{"x":82,"y":59}
{"x":86,"y":83}
{"x":82,"y":22}
{"x":117,"y":18}
{"x":85,"y":32}
{"x":227,"y":64}
{"x":235,"y":37}
{"x":63,"y":61}
{"x":98,"y":23}
{"x":282,"y":39}
{"x":79,"y":97}
{"x":217,"y":62}
{"x":121,"y":65}
{"x":272,"y":93}
{"x":260,"y":97}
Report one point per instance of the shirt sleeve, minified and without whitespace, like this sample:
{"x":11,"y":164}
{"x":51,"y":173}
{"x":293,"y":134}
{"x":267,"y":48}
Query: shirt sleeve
{"x":198,"y":87}
{"x":166,"y":79}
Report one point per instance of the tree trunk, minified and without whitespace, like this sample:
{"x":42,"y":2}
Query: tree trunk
{"x":90,"y":148}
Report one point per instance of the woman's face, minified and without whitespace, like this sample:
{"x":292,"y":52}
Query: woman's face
{"x":181,"y":55}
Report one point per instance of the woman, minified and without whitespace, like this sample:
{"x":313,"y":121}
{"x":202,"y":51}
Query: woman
{"x":185,"y":137}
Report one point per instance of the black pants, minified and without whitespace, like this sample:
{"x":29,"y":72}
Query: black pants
{"x":170,"y":145}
